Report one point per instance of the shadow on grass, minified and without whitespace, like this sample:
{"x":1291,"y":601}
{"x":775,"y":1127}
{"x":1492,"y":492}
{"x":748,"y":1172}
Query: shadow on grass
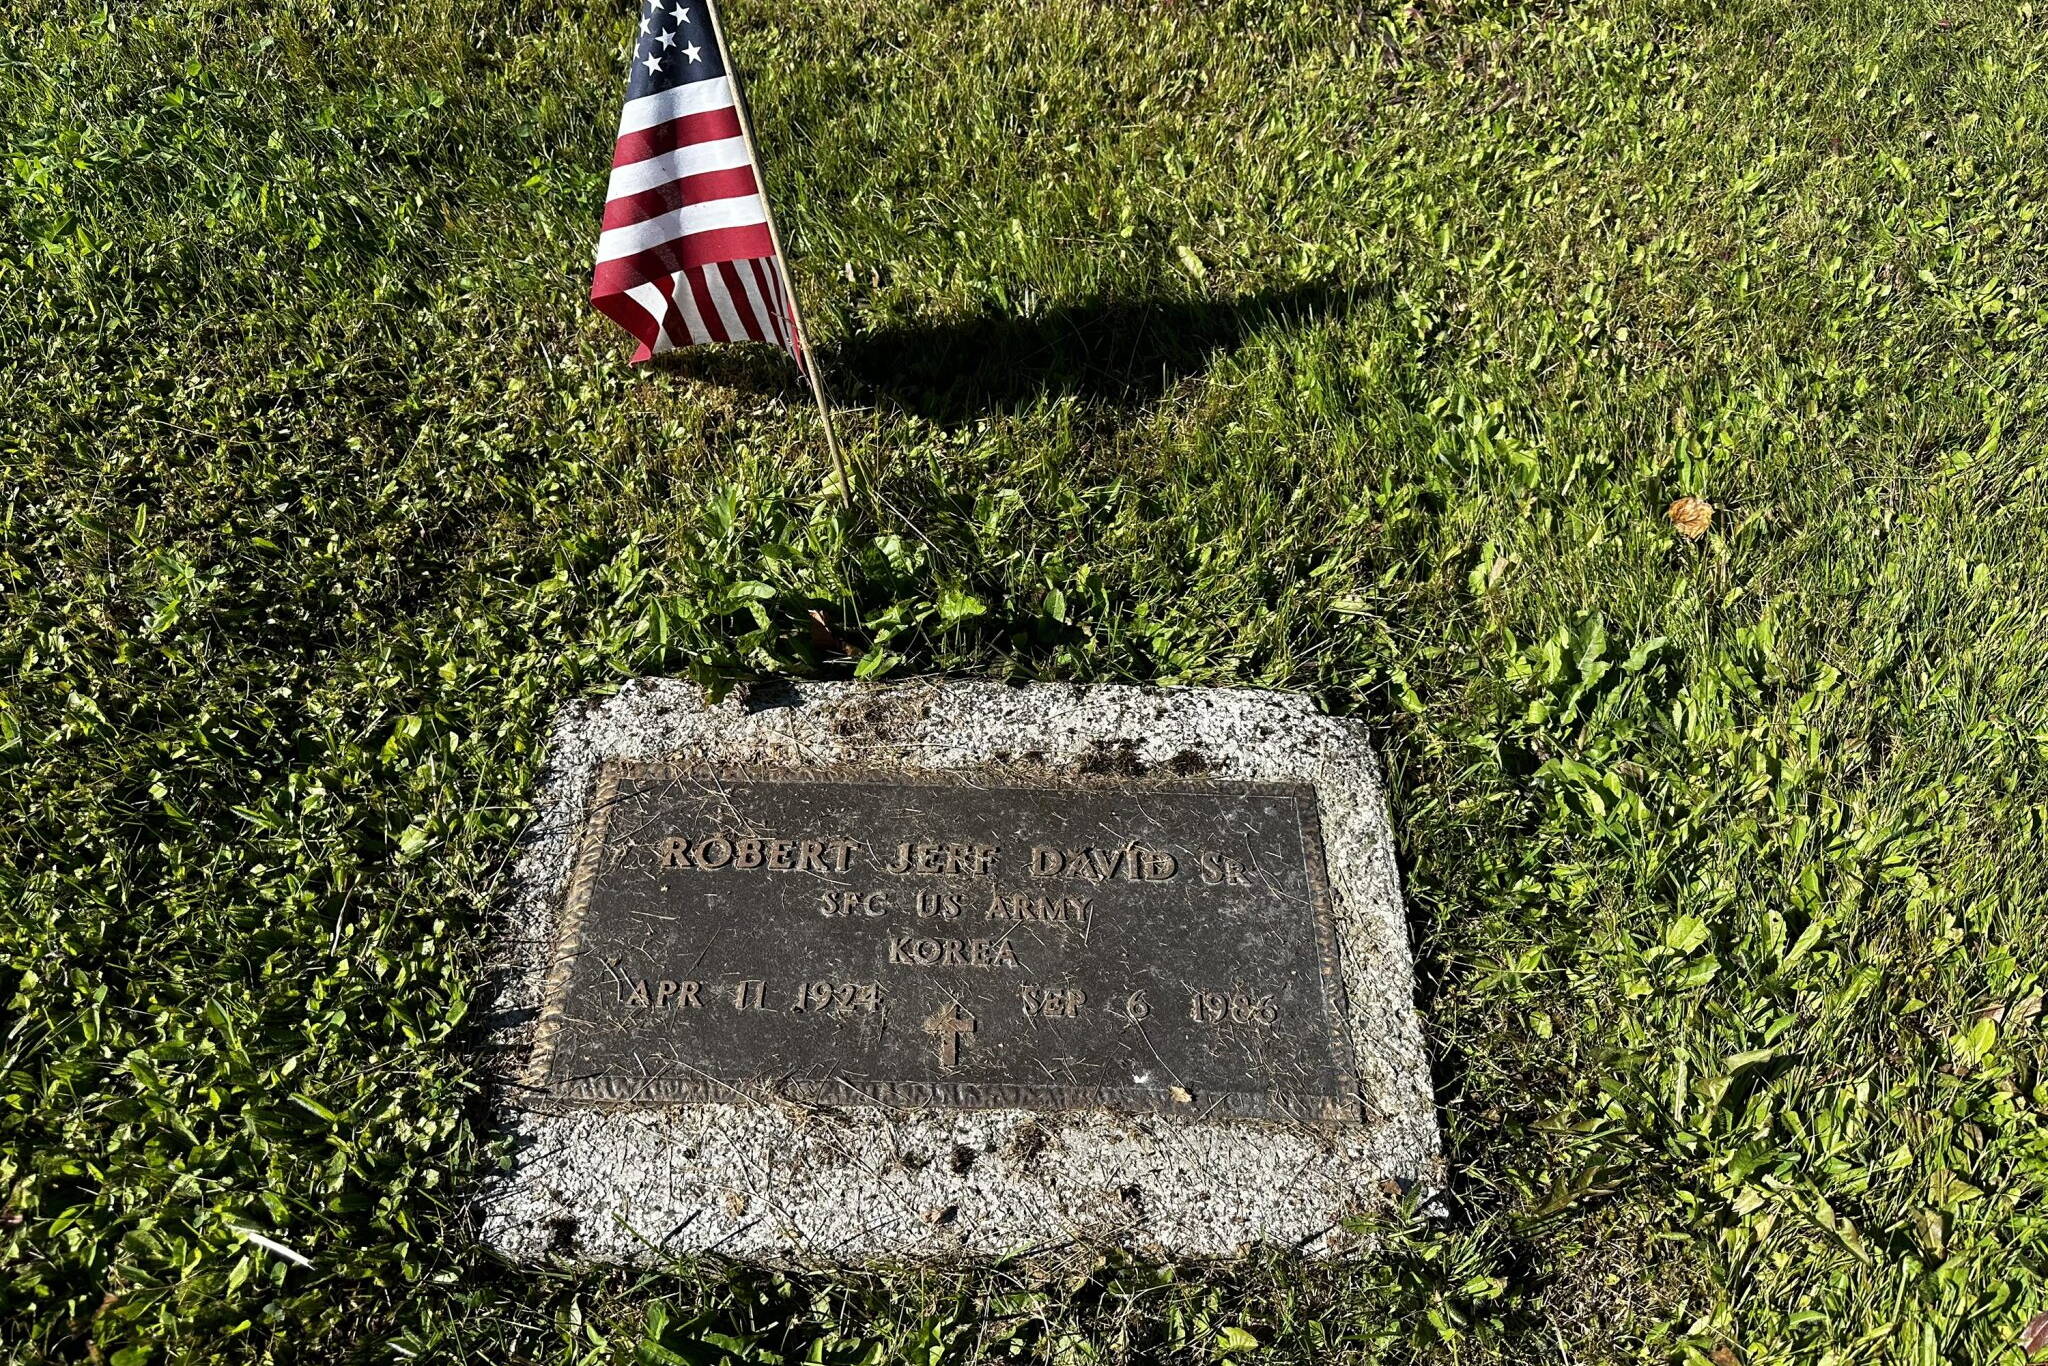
{"x":1121,"y":352}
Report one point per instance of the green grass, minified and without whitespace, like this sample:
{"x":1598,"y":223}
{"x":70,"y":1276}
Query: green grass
{"x":1349,"y":350}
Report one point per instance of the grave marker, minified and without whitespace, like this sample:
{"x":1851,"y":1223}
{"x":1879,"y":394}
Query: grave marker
{"x":958,"y":970}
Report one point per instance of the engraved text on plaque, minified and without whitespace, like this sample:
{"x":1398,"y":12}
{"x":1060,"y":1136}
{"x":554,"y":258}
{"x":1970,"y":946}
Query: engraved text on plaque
{"x":921,"y":939}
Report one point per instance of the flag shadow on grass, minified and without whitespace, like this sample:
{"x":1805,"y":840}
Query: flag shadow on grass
{"x":750,"y":367}
{"x":1123,"y":353}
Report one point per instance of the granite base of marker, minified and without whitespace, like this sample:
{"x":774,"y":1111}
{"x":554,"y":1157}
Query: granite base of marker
{"x":766,"y":1181}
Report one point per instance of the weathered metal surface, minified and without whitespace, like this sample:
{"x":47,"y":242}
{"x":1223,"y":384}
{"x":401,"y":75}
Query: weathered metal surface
{"x":845,"y":938}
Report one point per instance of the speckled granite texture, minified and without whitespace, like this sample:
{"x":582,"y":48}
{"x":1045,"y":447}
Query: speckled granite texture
{"x":781,"y":1184}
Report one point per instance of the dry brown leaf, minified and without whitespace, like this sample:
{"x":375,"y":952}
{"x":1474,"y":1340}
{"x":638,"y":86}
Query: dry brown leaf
{"x":1692,"y":517}
{"x":2034,"y":1337}
{"x":824,"y":638}
{"x":2024,"y":1012}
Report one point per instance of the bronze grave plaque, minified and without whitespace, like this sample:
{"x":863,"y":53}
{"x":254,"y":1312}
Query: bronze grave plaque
{"x":931,"y":940}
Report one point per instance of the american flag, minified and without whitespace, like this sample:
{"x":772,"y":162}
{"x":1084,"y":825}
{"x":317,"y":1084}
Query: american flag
{"x":686,"y":255}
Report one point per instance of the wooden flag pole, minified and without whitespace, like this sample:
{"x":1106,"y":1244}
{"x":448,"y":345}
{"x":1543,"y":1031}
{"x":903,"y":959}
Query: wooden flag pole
{"x":809,"y":362}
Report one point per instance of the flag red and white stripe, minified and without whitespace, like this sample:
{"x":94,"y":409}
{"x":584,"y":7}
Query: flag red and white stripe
{"x":686,"y":256}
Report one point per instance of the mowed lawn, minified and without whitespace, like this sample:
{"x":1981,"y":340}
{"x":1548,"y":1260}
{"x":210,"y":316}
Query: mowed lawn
{"x":1354,"y":350}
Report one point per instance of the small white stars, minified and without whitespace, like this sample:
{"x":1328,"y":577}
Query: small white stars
{"x":667,"y":40}
{"x":682,"y":14}
{"x":693,"y":52}
{"x":651,"y":62}
{"x":646,"y":23}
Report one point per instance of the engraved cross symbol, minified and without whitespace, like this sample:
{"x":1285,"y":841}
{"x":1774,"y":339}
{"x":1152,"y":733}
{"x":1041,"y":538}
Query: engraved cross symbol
{"x":949,"y":1024}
